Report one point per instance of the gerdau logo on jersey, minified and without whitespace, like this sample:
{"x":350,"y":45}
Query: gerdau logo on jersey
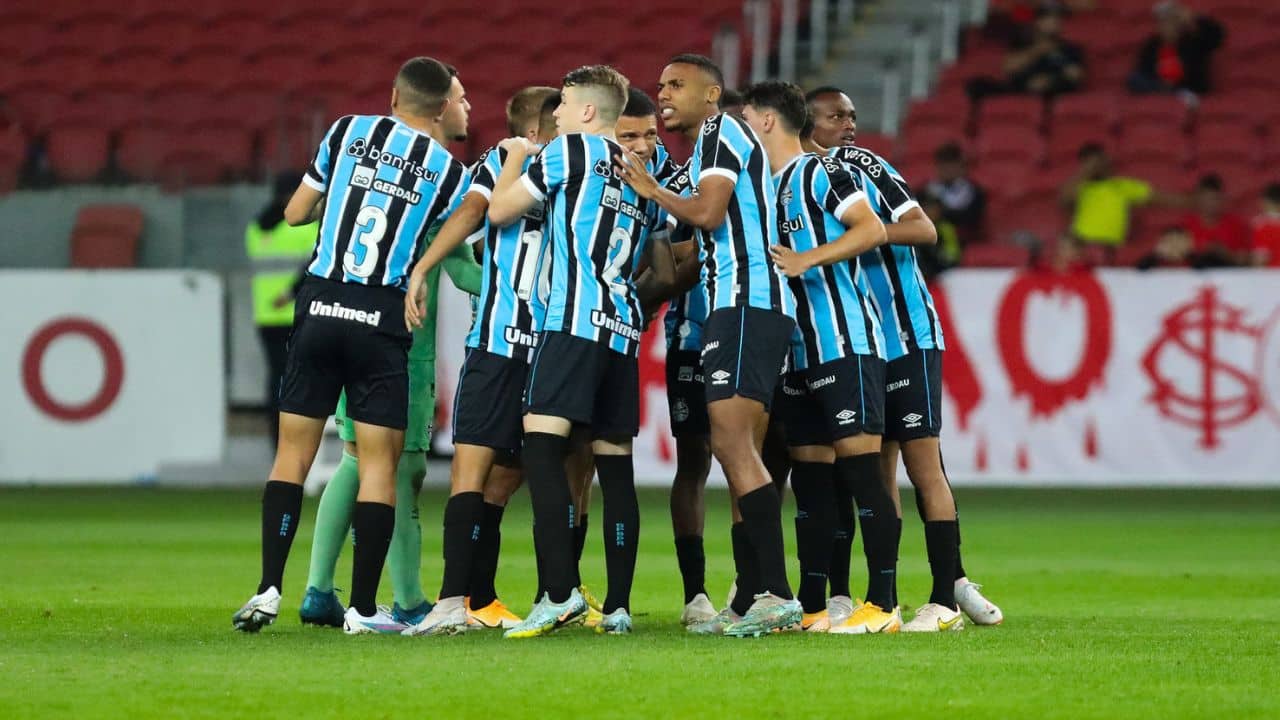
{"x":360,"y":148}
{"x":614,"y":325}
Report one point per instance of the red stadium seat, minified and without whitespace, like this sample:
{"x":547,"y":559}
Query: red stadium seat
{"x":1094,"y":110}
{"x":1003,"y":178}
{"x":1010,"y":111}
{"x":1152,"y":109}
{"x":948,"y":107}
{"x":919,"y":144}
{"x":882,"y":145}
{"x":1162,"y":173}
{"x":1160,"y":140}
{"x":1238,"y":106}
{"x":141,"y":150}
{"x":995,"y":255}
{"x":1224,"y":143}
{"x":78,"y":152}
{"x":1013,"y":143}
{"x":106,"y":236}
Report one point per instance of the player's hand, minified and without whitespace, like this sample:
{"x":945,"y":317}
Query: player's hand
{"x":519,"y":145}
{"x":415,"y":304}
{"x":634,"y":173}
{"x":790,"y":262}
{"x":282,"y":300}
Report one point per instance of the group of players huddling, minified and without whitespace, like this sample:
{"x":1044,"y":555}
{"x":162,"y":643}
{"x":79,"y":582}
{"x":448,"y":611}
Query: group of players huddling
{"x":795,"y":310}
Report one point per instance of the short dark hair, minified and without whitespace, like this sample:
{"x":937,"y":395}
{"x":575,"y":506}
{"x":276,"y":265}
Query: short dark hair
{"x":639,"y":104}
{"x":525,"y":107}
{"x":611,"y":84}
{"x":1210,"y":181}
{"x":1090,"y":149}
{"x":948,"y":152}
{"x":701,"y":61}
{"x":424,"y":84}
{"x":729,"y":98}
{"x":784,"y":98}
{"x":546,"y":120}
{"x":822,"y":90}
{"x":1272,"y":192}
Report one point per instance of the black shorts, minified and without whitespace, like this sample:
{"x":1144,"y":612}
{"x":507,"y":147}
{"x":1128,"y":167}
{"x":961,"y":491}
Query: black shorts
{"x":585,"y":382}
{"x":353,"y":337}
{"x":834,"y":400}
{"x":913,"y":396}
{"x":686,"y":394}
{"x":487,"y":405}
{"x":743,"y":352}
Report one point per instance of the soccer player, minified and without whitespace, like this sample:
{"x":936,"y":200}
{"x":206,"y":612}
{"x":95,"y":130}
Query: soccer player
{"x":377,"y":184}
{"x":913,"y":399}
{"x":584,"y":367}
{"x":833,"y":400}
{"x":486,"y":407}
{"x":748,"y":329}
{"x":320,"y":605}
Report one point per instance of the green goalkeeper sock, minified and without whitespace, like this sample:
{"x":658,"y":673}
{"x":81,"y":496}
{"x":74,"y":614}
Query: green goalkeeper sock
{"x":333,"y":521}
{"x":404,"y":558}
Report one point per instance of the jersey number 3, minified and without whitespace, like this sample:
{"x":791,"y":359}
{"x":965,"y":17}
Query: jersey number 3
{"x":371,"y":225}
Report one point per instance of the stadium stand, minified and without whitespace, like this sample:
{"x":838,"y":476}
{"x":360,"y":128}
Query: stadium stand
{"x":106,"y":236}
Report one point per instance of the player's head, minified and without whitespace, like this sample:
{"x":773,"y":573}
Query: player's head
{"x":547,"y":119}
{"x":429,"y":91}
{"x":948,"y":161}
{"x":1094,"y":160}
{"x":835,"y":121}
{"x":637,"y":128}
{"x":689,"y":91}
{"x":1271,"y":197}
{"x":731,"y":102}
{"x":524,"y":110}
{"x":1208,"y":197}
{"x":592,"y":98}
{"x":774,"y":108}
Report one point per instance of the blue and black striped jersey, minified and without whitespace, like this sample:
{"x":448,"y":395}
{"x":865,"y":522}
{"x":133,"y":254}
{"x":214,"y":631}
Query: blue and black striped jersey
{"x":898,"y":289}
{"x":833,"y":313}
{"x":737,"y":267}
{"x":662,"y":166}
{"x":688,"y":312}
{"x":385,"y":184}
{"x":504,"y":322}
{"x":597,"y":228}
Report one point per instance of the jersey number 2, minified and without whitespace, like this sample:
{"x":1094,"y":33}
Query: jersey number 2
{"x":371,"y":225}
{"x":620,"y":246}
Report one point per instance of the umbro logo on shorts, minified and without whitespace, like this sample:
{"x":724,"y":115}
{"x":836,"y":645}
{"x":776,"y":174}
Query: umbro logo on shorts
{"x":846,"y":416}
{"x":720,"y":377}
{"x":912,"y":420}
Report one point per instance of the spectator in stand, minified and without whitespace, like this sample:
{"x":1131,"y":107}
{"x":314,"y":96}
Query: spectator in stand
{"x":1101,"y":202}
{"x":1010,"y":21}
{"x":1177,"y":57}
{"x":1172,"y":250}
{"x":1045,"y":64}
{"x":964,"y":202}
{"x":1266,"y":229}
{"x":1214,"y":231}
{"x":946,"y":253}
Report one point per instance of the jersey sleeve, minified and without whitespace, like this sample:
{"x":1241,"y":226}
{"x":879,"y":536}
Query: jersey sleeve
{"x":460,"y":176}
{"x":1135,"y":190}
{"x":484,"y":177}
{"x":838,"y":188}
{"x":890,"y":186}
{"x":547,"y":171}
{"x":317,"y":176}
{"x":725,"y":148}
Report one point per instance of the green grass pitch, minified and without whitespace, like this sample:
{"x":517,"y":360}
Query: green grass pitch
{"x":1119,"y":603}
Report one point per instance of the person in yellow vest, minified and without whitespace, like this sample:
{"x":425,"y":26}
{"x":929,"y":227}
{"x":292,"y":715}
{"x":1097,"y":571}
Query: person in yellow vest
{"x":276,"y":253}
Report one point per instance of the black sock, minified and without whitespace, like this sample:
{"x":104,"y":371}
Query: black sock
{"x":940,"y":542}
{"x":553,"y":510}
{"x":693,"y":565}
{"x":621,"y":527}
{"x":815,"y":530}
{"x":897,"y":544}
{"x":371,"y":525}
{"x":762,"y":517}
{"x":484,"y":561}
{"x":579,"y":543}
{"x":879,"y":519}
{"x":744,"y":562}
{"x":462,"y":517}
{"x":842,"y":546}
{"x":281,"y":506}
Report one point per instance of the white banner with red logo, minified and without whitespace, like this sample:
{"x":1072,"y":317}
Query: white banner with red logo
{"x":108,"y":374}
{"x":1165,"y":377}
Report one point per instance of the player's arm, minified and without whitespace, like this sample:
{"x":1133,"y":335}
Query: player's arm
{"x":912,"y":228}
{"x":512,"y":199}
{"x":460,"y":225}
{"x":688,"y":266}
{"x":863,"y":231}
{"x":657,"y":283}
{"x":304,"y":206}
{"x":705,"y":210}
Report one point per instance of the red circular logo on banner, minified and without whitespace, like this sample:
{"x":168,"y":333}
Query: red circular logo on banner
{"x":1048,"y":395}
{"x":112,"y":362}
